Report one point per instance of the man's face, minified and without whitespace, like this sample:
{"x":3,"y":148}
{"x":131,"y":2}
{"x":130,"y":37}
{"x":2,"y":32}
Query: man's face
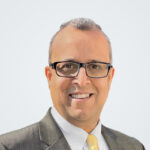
{"x":79,"y":46}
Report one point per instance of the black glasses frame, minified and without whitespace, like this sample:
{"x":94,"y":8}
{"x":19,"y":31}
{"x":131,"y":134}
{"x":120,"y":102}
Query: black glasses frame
{"x":53,"y":65}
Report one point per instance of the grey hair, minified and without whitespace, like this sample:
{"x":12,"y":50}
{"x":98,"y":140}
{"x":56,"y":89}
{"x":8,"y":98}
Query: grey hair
{"x":81,"y":24}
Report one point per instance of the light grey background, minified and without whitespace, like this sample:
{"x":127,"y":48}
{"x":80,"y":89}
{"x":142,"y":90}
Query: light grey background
{"x":26,"y":27}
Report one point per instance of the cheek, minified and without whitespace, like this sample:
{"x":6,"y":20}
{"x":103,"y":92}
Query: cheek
{"x":59,"y":87}
{"x":102,"y":89}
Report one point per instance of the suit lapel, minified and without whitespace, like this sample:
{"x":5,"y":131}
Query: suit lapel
{"x":59,"y":145}
{"x":111,"y":139}
{"x":51,"y":135}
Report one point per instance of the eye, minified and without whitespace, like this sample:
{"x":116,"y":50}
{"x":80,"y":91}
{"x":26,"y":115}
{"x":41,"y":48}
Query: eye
{"x":67,"y":66}
{"x":95,"y":66}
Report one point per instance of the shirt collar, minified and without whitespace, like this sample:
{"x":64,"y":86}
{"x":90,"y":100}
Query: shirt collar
{"x":78,"y":135}
{"x":97,"y":130}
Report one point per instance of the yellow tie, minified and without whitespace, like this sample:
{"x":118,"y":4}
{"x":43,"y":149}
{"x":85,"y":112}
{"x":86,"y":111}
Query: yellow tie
{"x":92,"y":142}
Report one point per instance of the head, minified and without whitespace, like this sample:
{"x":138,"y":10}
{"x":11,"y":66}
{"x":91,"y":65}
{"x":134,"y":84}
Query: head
{"x":79,"y":99}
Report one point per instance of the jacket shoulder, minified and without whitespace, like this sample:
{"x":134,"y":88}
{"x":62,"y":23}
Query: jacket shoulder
{"x":123,"y":139}
{"x":25,"y":138}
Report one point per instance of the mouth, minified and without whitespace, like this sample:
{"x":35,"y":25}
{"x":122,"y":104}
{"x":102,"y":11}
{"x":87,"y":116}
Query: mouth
{"x":79,"y":96}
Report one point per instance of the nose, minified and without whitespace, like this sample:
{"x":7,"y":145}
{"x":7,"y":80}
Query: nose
{"x":82,"y":79}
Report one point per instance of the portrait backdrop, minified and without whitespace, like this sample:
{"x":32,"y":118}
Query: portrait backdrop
{"x":26,"y":28}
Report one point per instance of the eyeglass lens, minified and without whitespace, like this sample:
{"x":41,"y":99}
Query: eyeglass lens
{"x":67,"y":69}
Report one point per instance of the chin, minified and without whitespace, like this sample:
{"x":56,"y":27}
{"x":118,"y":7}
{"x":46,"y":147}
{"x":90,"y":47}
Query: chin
{"x":80,"y":114}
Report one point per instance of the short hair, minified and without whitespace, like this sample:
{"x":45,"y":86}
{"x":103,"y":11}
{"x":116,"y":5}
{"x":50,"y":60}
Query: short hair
{"x":81,"y":24}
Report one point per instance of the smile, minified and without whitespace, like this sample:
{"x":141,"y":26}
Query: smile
{"x":80,"y":96}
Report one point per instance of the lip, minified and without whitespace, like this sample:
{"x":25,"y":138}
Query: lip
{"x":79,"y":92}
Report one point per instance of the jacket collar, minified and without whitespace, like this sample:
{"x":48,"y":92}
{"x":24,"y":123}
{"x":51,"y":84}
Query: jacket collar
{"x":110,"y":138}
{"x":51,"y":135}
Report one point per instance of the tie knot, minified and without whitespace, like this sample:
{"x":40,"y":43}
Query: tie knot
{"x":92,"y":142}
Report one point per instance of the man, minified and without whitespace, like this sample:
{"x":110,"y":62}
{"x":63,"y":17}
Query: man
{"x":79,"y":76}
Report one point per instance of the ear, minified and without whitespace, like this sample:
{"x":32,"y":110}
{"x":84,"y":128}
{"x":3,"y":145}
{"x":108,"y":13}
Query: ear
{"x":48,"y":73}
{"x":110,"y":76}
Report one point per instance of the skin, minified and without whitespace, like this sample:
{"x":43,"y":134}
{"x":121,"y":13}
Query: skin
{"x":81,"y":46}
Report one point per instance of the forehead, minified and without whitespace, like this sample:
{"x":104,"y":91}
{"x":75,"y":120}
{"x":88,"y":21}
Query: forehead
{"x":80,"y":45}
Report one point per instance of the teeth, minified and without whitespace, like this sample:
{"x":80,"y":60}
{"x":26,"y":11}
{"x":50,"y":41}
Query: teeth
{"x":80,"y":95}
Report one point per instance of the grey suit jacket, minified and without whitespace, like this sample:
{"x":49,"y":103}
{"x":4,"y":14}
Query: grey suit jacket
{"x":46,"y":135}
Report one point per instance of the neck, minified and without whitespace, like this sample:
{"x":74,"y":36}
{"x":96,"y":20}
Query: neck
{"x":87,"y":126}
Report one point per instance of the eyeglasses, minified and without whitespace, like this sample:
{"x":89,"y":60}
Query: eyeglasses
{"x":70,"y":69}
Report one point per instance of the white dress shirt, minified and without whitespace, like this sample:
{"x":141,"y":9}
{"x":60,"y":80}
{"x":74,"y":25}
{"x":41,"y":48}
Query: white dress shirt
{"x":76,"y":137}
